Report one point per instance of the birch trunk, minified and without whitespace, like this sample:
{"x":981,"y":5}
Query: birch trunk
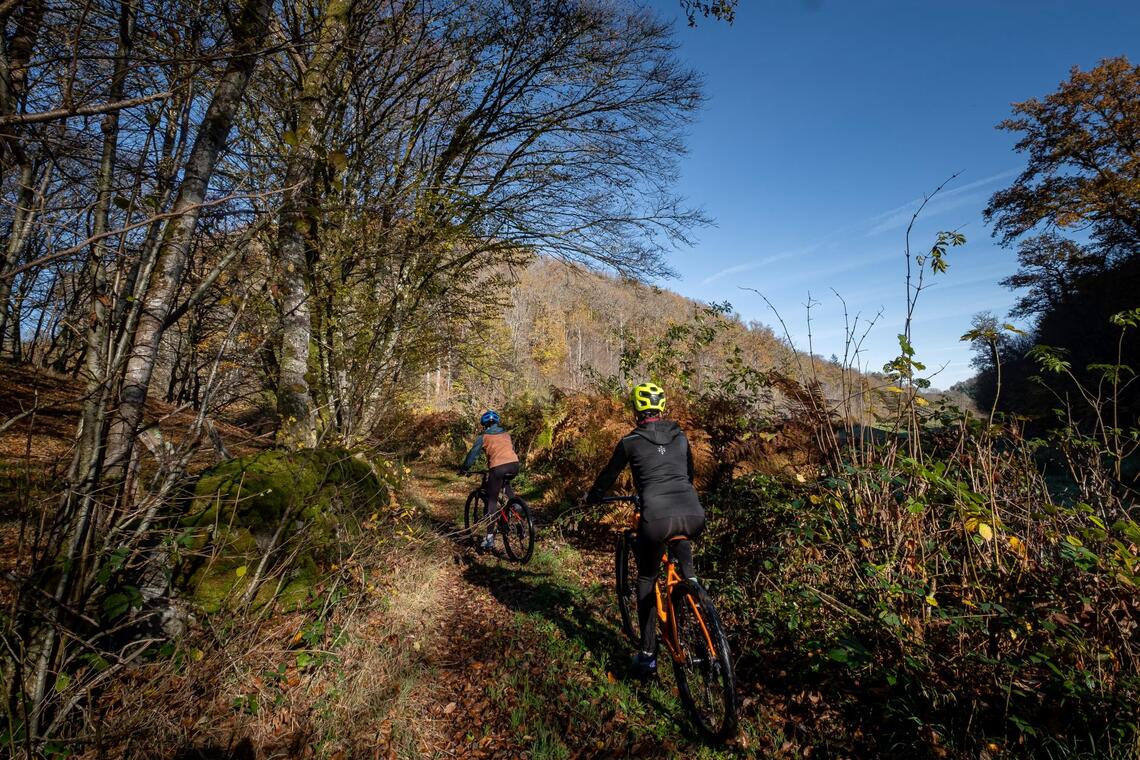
{"x":296,"y":415}
{"x":174,"y":251}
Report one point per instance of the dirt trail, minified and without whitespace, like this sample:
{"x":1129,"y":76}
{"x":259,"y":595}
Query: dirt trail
{"x":528,"y":661}
{"x":463,"y":720}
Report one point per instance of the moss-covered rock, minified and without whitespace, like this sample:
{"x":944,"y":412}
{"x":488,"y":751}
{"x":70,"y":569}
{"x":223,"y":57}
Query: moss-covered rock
{"x":303,"y":498}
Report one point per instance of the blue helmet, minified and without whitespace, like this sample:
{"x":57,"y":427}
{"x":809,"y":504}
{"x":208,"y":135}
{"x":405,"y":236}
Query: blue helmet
{"x":490,"y":417}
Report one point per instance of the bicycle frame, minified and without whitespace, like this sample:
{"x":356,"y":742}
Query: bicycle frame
{"x":665,"y":612}
{"x":667,"y":629}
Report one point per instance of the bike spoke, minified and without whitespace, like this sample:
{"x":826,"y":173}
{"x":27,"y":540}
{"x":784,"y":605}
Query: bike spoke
{"x":705,"y":683}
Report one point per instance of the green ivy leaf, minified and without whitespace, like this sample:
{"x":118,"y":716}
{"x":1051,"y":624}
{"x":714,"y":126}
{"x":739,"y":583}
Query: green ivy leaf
{"x":116,"y":605}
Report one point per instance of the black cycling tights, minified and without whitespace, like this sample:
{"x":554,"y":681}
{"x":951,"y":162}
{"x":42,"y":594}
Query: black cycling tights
{"x":498,"y":478}
{"x":652,"y":536}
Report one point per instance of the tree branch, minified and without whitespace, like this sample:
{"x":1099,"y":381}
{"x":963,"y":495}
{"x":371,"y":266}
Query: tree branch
{"x":67,"y":113}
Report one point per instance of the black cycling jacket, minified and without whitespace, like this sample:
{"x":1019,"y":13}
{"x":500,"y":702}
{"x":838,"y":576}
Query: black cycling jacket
{"x":658,"y":454}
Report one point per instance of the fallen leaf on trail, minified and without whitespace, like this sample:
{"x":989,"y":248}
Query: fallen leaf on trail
{"x":449,"y":709}
{"x":985,"y":531}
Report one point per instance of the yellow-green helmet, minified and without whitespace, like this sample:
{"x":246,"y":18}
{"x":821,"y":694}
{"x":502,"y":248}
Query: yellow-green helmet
{"x":648,"y":397}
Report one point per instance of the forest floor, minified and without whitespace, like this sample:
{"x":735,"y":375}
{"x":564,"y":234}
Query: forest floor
{"x":530,"y":661}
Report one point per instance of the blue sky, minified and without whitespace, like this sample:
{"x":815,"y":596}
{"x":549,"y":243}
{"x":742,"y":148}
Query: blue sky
{"x":827,"y":122}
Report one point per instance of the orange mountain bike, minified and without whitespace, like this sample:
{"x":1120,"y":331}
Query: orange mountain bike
{"x":690,"y":628}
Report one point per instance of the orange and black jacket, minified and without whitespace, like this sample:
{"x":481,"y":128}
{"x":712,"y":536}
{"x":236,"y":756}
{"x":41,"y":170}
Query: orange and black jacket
{"x":499,"y":448}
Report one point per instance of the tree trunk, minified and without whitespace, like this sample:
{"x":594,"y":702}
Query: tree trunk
{"x":22,"y":216}
{"x":88,"y":454}
{"x":296,"y":416}
{"x":174,"y":250}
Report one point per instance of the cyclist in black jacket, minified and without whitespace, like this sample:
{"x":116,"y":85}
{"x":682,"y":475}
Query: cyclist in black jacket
{"x":659,"y":456}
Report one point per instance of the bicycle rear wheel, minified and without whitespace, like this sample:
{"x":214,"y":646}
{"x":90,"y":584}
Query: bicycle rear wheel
{"x":704,"y":667}
{"x":626,"y":567}
{"x":518,"y":531}
{"x":473,"y":523}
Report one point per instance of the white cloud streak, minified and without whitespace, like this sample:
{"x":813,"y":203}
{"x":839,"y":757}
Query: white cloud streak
{"x":887,"y":220}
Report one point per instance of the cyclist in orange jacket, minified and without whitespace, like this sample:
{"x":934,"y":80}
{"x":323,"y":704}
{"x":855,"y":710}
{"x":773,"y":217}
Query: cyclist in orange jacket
{"x":502,"y":465}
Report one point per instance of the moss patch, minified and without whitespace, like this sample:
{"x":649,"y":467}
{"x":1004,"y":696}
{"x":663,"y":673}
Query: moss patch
{"x":239,"y":506}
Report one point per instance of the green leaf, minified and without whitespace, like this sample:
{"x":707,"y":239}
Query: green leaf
{"x":1129,"y":318}
{"x":290,"y":138}
{"x":1050,"y":358}
{"x":61,"y":682}
{"x":241,"y":571}
{"x":905,"y":345}
{"x":116,"y":605}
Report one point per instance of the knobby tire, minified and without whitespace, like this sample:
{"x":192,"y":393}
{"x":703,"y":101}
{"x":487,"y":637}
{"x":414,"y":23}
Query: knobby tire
{"x":704,"y":678}
{"x":626,"y":587}
{"x":473,"y":515}
{"x":518,"y":531}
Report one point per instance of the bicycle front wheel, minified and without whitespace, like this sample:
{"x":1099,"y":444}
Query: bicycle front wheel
{"x":473,"y":523}
{"x":626,"y":567}
{"x":518,"y":531}
{"x":703,"y":666}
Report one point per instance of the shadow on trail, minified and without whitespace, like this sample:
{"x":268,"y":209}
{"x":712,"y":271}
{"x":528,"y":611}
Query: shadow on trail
{"x":528,"y":591}
{"x":579,"y":619}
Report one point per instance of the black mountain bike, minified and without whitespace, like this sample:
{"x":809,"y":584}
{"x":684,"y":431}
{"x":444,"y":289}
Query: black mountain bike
{"x":690,"y":628}
{"x":513,"y":520}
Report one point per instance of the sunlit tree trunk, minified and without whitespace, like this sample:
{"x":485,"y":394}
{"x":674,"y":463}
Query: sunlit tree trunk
{"x":162,"y":287}
{"x":297,"y":227}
